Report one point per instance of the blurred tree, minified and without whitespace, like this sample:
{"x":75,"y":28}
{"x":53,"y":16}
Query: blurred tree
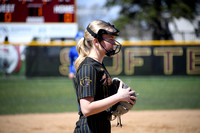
{"x":153,"y":13}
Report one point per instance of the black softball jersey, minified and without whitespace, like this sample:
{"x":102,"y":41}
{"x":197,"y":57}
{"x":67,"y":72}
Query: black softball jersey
{"x":93,"y":80}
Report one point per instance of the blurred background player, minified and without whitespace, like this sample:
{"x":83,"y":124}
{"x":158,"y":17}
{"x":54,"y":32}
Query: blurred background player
{"x":73,"y":55}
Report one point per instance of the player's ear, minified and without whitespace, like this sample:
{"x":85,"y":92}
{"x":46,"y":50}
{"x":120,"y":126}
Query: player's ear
{"x":95,"y":41}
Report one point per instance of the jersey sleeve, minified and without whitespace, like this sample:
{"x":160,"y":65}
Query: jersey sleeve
{"x":86,"y":79}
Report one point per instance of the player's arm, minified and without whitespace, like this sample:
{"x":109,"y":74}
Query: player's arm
{"x":71,"y":58}
{"x":90,"y":107}
{"x":71,"y":65}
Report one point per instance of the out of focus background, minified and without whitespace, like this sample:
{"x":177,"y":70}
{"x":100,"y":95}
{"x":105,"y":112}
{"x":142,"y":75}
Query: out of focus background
{"x":160,"y":55}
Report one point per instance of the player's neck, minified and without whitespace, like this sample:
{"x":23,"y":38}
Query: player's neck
{"x":95,"y":57}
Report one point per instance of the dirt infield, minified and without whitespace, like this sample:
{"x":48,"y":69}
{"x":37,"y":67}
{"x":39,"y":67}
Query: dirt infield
{"x":173,"y":121}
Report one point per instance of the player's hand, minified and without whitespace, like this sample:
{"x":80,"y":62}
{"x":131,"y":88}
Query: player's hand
{"x":71,"y":75}
{"x":125,"y":94}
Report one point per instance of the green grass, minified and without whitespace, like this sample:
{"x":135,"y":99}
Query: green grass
{"x":166,"y":92}
{"x":21,"y":95}
{"x":56,"y":94}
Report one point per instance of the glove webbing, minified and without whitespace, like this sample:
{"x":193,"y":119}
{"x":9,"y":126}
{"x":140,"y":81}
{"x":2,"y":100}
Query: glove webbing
{"x":119,"y":122}
{"x":118,"y":116}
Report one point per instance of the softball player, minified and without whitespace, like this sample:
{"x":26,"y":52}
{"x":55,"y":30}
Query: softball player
{"x":93,"y":82}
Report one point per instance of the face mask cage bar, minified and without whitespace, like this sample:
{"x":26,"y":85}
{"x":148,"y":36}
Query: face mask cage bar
{"x":116,"y":47}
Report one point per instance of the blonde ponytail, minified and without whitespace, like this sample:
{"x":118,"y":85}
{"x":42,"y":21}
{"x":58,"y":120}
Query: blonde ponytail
{"x":83,"y":48}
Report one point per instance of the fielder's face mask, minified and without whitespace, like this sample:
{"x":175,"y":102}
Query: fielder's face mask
{"x":99,"y":36}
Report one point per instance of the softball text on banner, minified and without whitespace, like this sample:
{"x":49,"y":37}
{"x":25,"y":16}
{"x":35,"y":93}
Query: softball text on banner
{"x":141,"y":59}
